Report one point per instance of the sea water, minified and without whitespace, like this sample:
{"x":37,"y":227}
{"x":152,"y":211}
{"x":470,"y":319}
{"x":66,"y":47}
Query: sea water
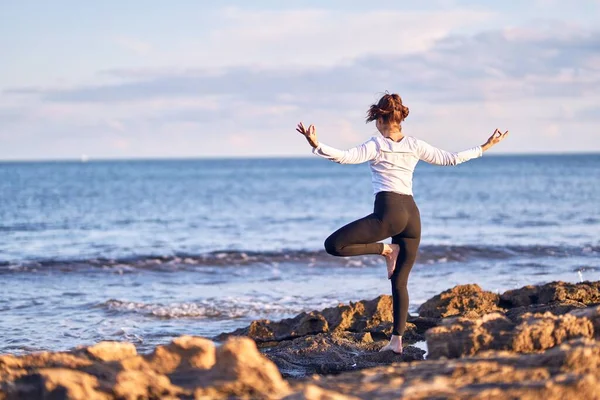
{"x":148,"y":250}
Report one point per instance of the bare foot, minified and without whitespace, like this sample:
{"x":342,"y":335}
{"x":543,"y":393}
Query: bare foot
{"x":390,"y":252}
{"x":394,"y":345}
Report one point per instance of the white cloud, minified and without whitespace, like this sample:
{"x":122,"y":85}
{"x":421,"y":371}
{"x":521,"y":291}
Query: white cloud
{"x":137,"y":46}
{"x":326,"y":69}
{"x":316,"y":37}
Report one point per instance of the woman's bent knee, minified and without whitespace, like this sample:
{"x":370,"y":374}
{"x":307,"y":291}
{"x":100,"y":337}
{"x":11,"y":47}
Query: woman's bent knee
{"x":333,"y":247}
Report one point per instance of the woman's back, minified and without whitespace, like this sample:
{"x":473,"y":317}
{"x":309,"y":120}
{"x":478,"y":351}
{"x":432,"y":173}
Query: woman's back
{"x":393,"y":162}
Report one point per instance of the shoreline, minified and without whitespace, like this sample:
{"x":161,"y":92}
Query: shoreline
{"x":530,"y":342}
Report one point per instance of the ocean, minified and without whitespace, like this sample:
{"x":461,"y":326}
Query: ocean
{"x":148,"y":250}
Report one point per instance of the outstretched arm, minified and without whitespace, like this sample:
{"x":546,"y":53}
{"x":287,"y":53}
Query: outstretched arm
{"x":356,"y":155}
{"x":433,"y":155}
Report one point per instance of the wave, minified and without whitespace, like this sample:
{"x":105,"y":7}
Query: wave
{"x":215,"y":309}
{"x":428,"y":254}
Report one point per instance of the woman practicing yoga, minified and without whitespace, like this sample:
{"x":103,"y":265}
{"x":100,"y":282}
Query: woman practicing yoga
{"x":392,"y":157}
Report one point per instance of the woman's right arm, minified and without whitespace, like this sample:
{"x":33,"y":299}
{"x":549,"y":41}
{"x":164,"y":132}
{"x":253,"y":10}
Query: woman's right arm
{"x":356,"y":155}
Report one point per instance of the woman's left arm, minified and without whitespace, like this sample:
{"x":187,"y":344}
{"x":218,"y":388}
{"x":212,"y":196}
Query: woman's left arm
{"x":433,"y":155}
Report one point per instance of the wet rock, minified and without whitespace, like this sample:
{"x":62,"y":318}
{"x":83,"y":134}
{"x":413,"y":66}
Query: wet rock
{"x":422,"y":324}
{"x":465,"y":300}
{"x":332,"y":354}
{"x":530,"y":333}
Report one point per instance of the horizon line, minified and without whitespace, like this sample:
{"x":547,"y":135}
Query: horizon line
{"x":251,"y":157}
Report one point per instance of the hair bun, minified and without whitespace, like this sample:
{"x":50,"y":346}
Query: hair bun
{"x":405,"y":112}
{"x":389,"y":108}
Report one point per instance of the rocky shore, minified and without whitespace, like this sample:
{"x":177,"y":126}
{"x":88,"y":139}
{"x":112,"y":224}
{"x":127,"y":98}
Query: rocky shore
{"x":533,"y":342}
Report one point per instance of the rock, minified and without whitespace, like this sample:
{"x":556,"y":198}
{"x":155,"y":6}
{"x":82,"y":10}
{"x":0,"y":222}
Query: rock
{"x":543,"y":331}
{"x":313,"y":392}
{"x":267,"y":331}
{"x":133,"y":385}
{"x":57,"y":383}
{"x":556,"y":308}
{"x":332,"y":354}
{"x":564,"y":372}
{"x":531,"y":332}
{"x":336,"y":339}
{"x":422,"y":324}
{"x":183,"y":353}
{"x":362,"y":316}
{"x":535,"y":342}
{"x":186,"y":367}
{"x":45,"y":359}
{"x":111,"y":351}
{"x":593,"y":315}
{"x":584,"y":292}
{"x":465,"y":300}
{"x":241,"y":369}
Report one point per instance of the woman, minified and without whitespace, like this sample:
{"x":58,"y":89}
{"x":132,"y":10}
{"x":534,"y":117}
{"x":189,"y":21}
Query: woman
{"x":392,"y":157}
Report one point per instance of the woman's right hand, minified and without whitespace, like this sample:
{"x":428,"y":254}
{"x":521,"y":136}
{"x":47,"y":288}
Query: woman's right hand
{"x":309,"y":133}
{"x":493,"y":140}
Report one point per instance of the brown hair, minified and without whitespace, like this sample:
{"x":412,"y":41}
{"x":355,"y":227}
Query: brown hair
{"x":389,"y":108}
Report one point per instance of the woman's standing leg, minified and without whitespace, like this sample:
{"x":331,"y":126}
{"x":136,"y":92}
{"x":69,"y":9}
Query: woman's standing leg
{"x":409,"y":241}
{"x":409,"y":248}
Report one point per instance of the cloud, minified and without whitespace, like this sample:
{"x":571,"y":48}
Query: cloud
{"x":136,"y":46}
{"x":496,"y":64}
{"x":539,"y":82}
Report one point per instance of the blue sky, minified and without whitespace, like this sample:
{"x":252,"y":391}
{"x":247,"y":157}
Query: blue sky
{"x":208,"y":79}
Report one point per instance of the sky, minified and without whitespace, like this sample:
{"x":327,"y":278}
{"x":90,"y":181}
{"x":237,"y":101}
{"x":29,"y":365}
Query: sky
{"x":158,"y":79}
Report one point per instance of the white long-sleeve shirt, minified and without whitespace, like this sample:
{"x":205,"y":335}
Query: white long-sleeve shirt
{"x":392,"y":163}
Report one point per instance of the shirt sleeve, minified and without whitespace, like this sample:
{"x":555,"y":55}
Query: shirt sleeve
{"x":433,"y":155}
{"x":356,"y":155}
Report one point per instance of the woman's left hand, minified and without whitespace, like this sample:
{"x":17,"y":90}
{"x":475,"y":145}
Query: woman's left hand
{"x":493,"y":140}
{"x":309,"y":133}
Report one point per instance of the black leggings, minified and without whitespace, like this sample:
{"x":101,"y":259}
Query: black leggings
{"x":397,"y":216}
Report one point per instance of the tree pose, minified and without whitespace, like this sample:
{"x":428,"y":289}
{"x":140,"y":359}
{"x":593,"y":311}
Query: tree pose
{"x":392,"y":157}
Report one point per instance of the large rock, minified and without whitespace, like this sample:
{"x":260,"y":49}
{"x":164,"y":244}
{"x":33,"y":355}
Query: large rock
{"x":587,"y":293}
{"x":461,"y":336}
{"x":336,"y":339}
{"x":185,"y":352}
{"x":241,"y":370}
{"x":470,"y":301}
{"x":187,"y":367}
{"x":314,"y":392}
{"x":57,"y":383}
{"x":111,"y":351}
{"x":363,"y":316}
{"x":334,"y":353}
{"x":571,"y":370}
{"x":536,"y":342}
{"x":465,"y":300}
